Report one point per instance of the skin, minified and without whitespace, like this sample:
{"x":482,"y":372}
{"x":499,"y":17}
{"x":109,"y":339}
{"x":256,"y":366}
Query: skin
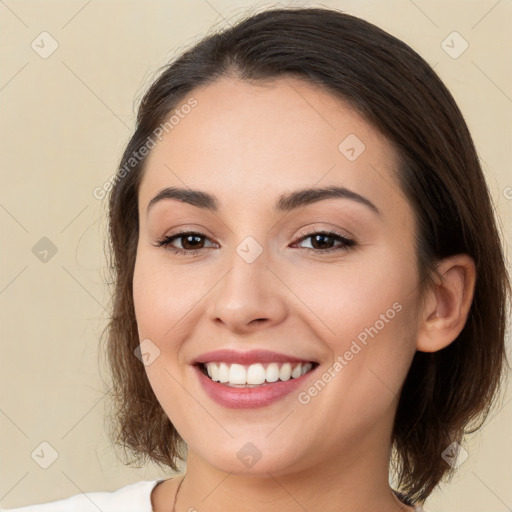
{"x":248,"y":143}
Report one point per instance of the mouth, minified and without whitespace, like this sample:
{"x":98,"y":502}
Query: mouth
{"x":254,"y":375}
{"x":251,"y":379}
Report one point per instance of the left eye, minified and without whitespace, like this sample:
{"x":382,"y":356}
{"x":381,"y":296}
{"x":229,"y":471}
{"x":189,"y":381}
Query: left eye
{"x":193,"y":241}
{"x":320,"y":237}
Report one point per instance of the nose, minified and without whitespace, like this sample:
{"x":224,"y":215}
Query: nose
{"x":249,"y":297}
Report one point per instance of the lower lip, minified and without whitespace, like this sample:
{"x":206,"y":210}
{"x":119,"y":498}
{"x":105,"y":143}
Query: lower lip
{"x":249,"y":398}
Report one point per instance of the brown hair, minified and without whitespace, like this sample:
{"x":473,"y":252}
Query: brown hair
{"x":446,"y":393}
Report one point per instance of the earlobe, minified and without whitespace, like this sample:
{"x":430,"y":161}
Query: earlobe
{"x":447,"y":304}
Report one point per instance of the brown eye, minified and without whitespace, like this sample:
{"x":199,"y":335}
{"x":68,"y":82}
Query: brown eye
{"x":190,"y":242}
{"x":322,"y":241}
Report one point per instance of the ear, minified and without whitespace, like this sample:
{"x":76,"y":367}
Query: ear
{"x":447,"y":303}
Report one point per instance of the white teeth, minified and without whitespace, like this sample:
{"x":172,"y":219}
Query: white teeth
{"x":285,"y":372}
{"x":223,"y":372}
{"x":297,"y":371}
{"x":237,"y":374}
{"x":255,"y":374}
{"x":306,"y":367}
{"x":272,"y":372}
{"x":213,"y":372}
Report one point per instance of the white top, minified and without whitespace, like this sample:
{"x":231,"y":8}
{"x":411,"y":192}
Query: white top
{"x":131,"y":498}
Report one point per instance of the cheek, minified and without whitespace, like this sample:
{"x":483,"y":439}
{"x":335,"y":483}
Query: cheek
{"x":368,"y":291}
{"x":368,"y":317}
{"x":162,"y":294}
{"x":365,"y":311}
{"x":161,"y":301}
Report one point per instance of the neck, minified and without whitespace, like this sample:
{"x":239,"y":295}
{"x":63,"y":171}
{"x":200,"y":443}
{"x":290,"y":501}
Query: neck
{"x":349,"y":482}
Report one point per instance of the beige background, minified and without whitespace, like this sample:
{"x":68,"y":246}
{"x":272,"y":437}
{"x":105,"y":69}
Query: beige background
{"x":64,"y":122}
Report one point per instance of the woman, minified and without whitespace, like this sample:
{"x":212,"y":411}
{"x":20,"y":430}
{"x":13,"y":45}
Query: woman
{"x":309,"y":283}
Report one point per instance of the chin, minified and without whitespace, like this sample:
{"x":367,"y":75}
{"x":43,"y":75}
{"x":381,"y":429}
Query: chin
{"x":254,"y":455}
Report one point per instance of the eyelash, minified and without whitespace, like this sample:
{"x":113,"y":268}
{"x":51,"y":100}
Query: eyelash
{"x":346,"y":243}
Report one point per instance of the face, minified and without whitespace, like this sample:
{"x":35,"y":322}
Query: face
{"x":273,"y":279}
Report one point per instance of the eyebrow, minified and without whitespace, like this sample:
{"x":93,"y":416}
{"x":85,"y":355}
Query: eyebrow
{"x":285,"y":203}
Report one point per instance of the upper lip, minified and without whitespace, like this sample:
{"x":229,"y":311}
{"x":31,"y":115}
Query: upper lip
{"x":248,"y":357}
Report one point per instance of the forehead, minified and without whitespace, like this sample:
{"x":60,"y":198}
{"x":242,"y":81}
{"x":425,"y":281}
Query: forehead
{"x":247,"y":141}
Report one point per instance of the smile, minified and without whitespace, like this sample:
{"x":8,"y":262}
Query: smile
{"x":238,"y":375}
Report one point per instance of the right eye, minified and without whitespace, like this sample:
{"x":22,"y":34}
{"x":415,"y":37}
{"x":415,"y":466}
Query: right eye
{"x":190,"y":238}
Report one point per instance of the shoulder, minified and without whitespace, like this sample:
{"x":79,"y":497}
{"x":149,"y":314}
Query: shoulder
{"x":134,"y":497}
